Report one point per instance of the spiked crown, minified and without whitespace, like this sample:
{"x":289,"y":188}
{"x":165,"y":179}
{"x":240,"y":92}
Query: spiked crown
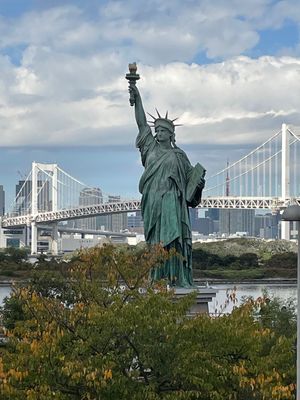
{"x":165,"y":122}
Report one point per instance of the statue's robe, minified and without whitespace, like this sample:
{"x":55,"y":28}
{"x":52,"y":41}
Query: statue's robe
{"x":164,"y":206}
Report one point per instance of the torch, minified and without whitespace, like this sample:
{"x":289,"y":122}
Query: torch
{"x":132,"y":77}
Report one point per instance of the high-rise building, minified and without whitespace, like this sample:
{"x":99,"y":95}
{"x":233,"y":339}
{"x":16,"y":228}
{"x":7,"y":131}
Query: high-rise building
{"x":205,"y":226}
{"x":200,"y":224}
{"x":194,"y":218}
{"x":266,"y":226}
{"x":2,"y":200}
{"x":23,"y":195}
{"x":113,"y":222}
{"x":117,"y":222}
{"x":87,"y":197}
{"x":135,"y":222}
{"x":213,"y":214}
{"x":236,"y":220}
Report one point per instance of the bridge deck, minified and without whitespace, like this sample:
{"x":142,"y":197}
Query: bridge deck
{"x":269,"y":203}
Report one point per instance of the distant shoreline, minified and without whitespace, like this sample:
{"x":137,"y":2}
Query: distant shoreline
{"x":283,"y":281}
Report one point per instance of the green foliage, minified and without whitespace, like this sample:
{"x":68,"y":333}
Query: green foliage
{"x":286,"y":260}
{"x":87,"y":331}
{"x":232,"y":274}
{"x":17,"y":255}
{"x":12,"y":310}
{"x":14,"y":262}
{"x":278,"y":315}
{"x":13,"y":254}
{"x":249,"y":258}
{"x":238,"y":246}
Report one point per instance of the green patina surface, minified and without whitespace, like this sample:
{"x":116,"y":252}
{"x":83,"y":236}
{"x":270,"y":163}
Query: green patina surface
{"x":168,"y":186}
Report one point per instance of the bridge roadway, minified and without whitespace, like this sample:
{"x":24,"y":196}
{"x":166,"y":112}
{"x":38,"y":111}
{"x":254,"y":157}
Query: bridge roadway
{"x":229,"y":202}
{"x":64,"y":229}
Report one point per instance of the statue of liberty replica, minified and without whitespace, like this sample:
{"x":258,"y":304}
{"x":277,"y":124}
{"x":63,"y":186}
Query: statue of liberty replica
{"x":169,"y":185}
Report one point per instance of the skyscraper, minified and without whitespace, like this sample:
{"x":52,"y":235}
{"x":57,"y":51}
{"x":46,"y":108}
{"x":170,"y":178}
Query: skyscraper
{"x":266,"y":225}
{"x":213,"y":214}
{"x":236,"y":220}
{"x":135,"y":222}
{"x":2,"y":200}
{"x":87,"y":197}
{"x":113,"y":222}
{"x":23,"y":195}
{"x":116,"y":222}
{"x":195,"y":220}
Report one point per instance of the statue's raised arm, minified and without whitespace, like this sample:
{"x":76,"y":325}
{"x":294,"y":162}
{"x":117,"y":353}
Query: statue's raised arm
{"x":135,"y":97}
{"x":144,"y":140}
{"x":140,"y":115}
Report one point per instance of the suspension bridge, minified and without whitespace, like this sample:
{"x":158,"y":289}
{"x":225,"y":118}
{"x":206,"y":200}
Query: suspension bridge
{"x":266,"y":178}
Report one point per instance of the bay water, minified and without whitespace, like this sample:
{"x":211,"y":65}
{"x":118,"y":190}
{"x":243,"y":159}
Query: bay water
{"x":222,"y":302}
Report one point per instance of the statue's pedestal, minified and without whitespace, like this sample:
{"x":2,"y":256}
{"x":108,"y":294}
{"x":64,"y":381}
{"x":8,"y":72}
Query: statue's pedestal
{"x":203,"y":297}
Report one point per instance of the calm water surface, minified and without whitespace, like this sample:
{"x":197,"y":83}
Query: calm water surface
{"x":283,"y":291}
{"x":244,"y":290}
{"x":4,"y":291}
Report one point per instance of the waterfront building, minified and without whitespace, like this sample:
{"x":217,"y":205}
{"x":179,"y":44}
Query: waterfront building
{"x":12,"y":237}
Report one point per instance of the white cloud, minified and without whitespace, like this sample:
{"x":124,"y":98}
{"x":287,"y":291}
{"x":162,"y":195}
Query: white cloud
{"x":275,"y":15}
{"x":238,"y":96}
{"x":151,"y":31}
{"x":56,"y":99}
{"x":178,"y":30}
{"x":69,"y":86}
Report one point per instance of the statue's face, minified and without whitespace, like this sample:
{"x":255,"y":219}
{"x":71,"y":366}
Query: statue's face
{"x":163,"y":134}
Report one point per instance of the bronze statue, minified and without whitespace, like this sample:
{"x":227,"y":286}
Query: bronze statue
{"x":169,"y":185}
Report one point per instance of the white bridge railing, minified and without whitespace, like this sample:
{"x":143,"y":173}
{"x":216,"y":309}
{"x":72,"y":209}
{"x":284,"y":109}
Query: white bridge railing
{"x":269,"y":203}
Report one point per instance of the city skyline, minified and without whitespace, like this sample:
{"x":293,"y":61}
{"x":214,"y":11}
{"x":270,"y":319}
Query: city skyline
{"x":229,"y":71}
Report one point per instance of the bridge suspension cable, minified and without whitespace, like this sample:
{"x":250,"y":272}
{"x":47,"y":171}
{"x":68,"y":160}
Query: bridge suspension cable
{"x":257,"y":174}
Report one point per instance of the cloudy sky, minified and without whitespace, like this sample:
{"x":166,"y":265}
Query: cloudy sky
{"x":229,"y":69}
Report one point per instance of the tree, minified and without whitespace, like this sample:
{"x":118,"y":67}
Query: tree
{"x":18,"y":255}
{"x":248,"y":260}
{"x":99,"y":336}
{"x":284,"y":260}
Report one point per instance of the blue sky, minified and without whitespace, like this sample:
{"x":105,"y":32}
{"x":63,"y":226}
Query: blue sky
{"x":228,"y":69}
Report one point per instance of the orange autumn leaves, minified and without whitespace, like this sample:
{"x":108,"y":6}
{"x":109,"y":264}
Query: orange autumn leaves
{"x":101,"y":336}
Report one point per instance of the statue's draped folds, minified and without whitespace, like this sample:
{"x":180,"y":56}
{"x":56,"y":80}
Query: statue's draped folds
{"x":164,"y":207}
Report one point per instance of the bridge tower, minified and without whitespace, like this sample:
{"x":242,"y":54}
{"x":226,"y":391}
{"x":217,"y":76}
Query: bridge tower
{"x":227,"y":180}
{"x":53,"y":170}
{"x":285,"y":178}
{"x":34,"y":206}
